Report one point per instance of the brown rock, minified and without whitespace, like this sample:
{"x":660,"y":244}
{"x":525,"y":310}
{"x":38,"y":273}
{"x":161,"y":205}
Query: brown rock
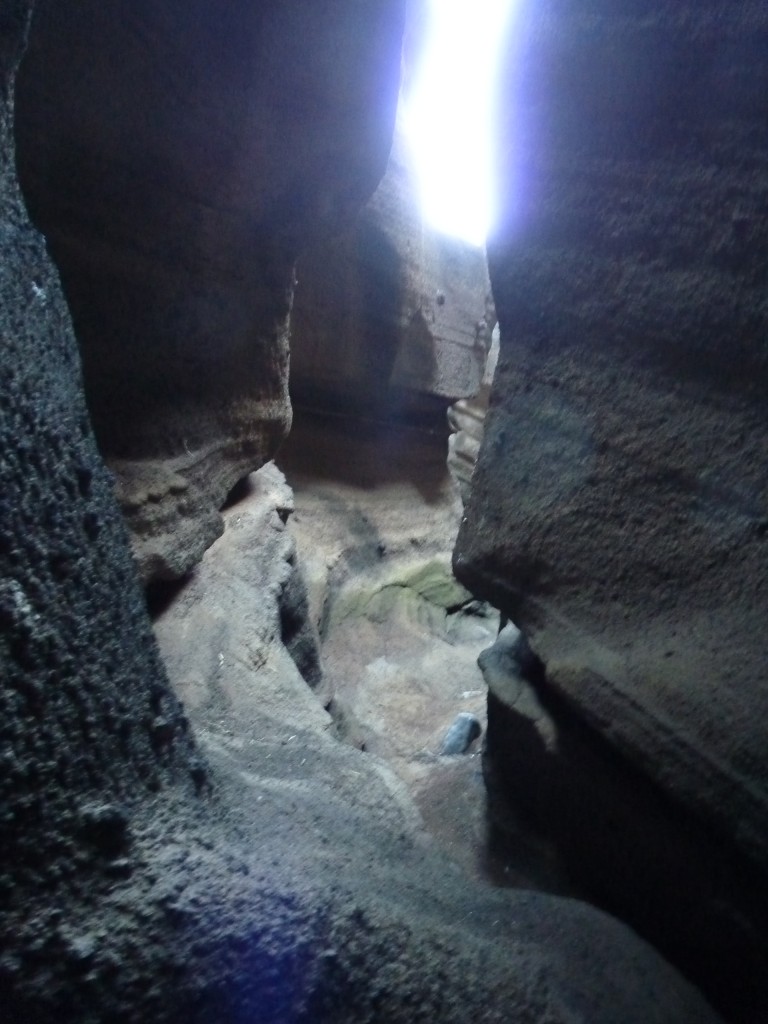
{"x":392,"y":314}
{"x":176,"y":157}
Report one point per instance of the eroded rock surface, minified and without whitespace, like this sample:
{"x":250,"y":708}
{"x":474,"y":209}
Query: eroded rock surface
{"x":466,"y":419}
{"x":287,"y":884}
{"x":376,"y":516}
{"x":373,"y":908}
{"x":222,"y":632}
{"x":87,"y":716}
{"x":618,"y":511}
{"x":390,"y":317}
{"x":177,"y":156}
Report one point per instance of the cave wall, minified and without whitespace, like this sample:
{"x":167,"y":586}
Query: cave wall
{"x":177,"y":158}
{"x":391,"y":319}
{"x":79,"y":661}
{"x":287,"y":884}
{"x":618,"y":510}
{"x":89,"y":730}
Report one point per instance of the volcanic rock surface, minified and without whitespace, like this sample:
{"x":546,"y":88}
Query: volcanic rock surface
{"x":390,"y":318}
{"x":262,"y":871}
{"x":177,"y":156}
{"x":618,"y":510}
{"x":374,"y":905}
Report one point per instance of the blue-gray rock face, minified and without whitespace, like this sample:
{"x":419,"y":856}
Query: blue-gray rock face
{"x":618,"y":509}
{"x":463,"y":732}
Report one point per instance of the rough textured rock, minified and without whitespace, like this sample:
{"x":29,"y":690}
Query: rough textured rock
{"x":177,"y":156}
{"x":618,"y":511}
{"x":342,"y":821}
{"x":222,"y":632}
{"x":87,"y":718}
{"x":466,"y":419}
{"x":128,"y":898}
{"x":390,"y":316}
{"x":376,"y":517}
{"x":615,"y":832}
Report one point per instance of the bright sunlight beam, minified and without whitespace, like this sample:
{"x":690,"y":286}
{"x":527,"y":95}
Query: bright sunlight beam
{"x":448,"y":115}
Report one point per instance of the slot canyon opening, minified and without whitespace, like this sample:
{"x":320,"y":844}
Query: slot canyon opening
{"x":449,"y":110}
{"x":221,"y":196}
{"x":394,"y":342}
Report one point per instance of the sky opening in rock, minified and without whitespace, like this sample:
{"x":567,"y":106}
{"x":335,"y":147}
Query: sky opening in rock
{"x":448,"y":115}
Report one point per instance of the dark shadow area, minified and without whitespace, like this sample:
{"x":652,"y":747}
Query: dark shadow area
{"x":296,"y":630}
{"x":360,"y":345}
{"x":633,"y":851}
{"x":239,"y":492}
{"x":375,"y":452}
{"x":380,"y":297}
{"x":160,"y":594}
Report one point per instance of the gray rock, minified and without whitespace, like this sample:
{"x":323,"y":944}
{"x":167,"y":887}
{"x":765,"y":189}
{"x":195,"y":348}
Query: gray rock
{"x":461,"y":735}
{"x":300,"y":845}
{"x":618,"y":502}
{"x":175,"y":204}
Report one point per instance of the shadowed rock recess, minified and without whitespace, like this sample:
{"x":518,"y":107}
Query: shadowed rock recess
{"x":176,"y":157}
{"x":391,"y":319}
{"x":619,"y":510}
{"x":228,"y":859}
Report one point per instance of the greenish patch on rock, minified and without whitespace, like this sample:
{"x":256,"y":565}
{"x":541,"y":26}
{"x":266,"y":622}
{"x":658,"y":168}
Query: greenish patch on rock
{"x":424,"y":592}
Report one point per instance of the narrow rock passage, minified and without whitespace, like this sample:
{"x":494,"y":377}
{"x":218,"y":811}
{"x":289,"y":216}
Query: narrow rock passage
{"x":400,"y":646}
{"x":376,"y":515}
{"x":373,"y":827}
{"x":331,"y":610}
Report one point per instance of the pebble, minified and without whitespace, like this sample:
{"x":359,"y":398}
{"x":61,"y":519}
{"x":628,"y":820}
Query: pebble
{"x":464,"y":731}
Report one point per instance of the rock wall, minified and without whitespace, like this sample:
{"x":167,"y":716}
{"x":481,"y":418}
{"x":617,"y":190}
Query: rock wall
{"x":390,"y":318}
{"x":618,"y":511}
{"x":177,"y":157}
{"x":466,"y":419}
{"x":86,"y":710}
{"x":288,"y":884}
{"x":91,"y":732}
